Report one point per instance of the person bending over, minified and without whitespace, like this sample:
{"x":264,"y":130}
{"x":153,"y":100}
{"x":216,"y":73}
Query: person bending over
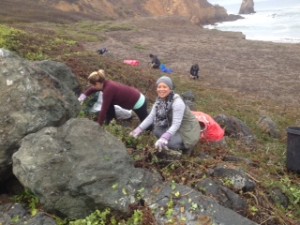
{"x":114,"y":93}
{"x":194,"y":71}
{"x":155,"y":62}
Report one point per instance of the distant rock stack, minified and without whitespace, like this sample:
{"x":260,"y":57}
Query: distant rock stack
{"x":247,"y":7}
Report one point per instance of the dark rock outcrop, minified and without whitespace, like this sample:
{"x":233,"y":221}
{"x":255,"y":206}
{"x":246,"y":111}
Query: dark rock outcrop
{"x":191,"y":207}
{"x":236,"y":128}
{"x":15,"y":213}
{"x":267,"y":125}
{"x":237,"y":179}
{"x":278,"y":197}
{"x":247,"y":7}
{"x":189,"y":99}
{"x":31,"y":98}
{"x":223,"y":195}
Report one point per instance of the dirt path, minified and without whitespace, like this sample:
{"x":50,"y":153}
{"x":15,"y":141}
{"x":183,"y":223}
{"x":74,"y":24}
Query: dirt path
{"x":227,"y":61}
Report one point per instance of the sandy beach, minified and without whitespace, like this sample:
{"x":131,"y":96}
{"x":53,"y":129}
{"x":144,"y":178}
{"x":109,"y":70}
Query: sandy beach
{"x":258,"y":69}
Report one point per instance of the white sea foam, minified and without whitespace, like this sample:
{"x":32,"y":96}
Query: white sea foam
{"x":278,"y":24}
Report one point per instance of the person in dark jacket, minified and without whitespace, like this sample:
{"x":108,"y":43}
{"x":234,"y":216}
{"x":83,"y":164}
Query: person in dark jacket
{"x":115,"y":93}
{"x":102,"y":51}
{"x":155,"y":62}
{"x":194,"y":71}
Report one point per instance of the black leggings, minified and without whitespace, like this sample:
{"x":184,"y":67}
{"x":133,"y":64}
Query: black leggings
{"x":142,"y":112}
{"x":110,"y":115}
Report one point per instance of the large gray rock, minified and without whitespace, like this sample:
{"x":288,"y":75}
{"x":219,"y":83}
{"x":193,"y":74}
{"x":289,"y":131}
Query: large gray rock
{"x":78,"y":168}
{"x":30,"y":99}
{"x":247,"y":7}
{"x":61,"y":72}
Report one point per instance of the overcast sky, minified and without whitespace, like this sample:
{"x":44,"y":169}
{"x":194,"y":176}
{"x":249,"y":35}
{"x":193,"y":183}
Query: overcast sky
{"x":239,"y":2}
{"x":233,"y":6}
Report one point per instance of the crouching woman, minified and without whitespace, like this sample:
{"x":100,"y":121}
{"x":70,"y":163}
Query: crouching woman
{"x":174,"y":125}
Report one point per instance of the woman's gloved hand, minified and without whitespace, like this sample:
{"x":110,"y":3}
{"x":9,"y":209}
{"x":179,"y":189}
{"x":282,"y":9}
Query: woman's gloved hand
{"x":81,"y":98}
{"x":136,"y":132}
{"x":162,"y":142}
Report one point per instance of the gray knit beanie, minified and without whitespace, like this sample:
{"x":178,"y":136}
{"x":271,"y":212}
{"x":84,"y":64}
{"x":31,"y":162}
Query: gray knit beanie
{"x":166,"y":80}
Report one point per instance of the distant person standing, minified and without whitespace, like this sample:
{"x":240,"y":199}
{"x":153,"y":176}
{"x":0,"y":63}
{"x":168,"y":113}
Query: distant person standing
{"x":194,"y":71}
{"x":155,"y":62}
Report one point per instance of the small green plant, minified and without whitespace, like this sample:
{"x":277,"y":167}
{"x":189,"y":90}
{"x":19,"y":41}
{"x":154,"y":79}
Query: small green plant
{"x":96,"y":218}
{"x":173,"y":185}
{"x":170,"y":210}
{"x":136,"y":218}
{"x":123,"y":134}
{"x":29,"y":199}
{"x":253,"y":210}
{"x":15,"y":220}
{"x":171,"y":168}
{"x":295,"y":194}
{"x":228,"y":182}
{"x":194,"y":206}
{"x":177,"y":194}
{"x":106,"y":217}
{"x":125,"y":191}
{"x":9,"y":38}
{"x":36,"y":56}
{"x":115,"y":186}
{"x":140,"y":194}
{"x":60,"y":221}
{"x":292,"y":191}
{"x":140,"y":47}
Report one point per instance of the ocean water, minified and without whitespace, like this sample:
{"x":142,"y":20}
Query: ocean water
{"x":274,"y":20}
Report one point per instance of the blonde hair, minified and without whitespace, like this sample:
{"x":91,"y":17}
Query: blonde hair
{"x":97,"y":76}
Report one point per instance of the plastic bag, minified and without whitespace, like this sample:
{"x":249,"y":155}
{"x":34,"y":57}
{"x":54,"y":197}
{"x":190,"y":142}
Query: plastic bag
{"x":121,"y":113}
{"x":211,"y":130}
{"x":131,"y":62}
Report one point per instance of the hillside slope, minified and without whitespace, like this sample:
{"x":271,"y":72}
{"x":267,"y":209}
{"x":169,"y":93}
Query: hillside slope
{"x":12,"y":11}
{"x":197,"y":11}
